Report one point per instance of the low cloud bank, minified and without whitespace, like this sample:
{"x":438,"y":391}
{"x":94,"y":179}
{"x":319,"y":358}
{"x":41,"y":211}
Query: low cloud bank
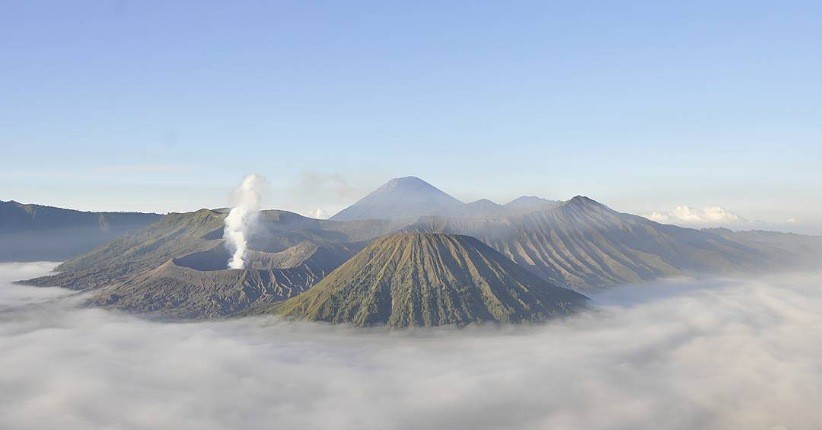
{"x":688,"y":215}
{"x":680,"y":354}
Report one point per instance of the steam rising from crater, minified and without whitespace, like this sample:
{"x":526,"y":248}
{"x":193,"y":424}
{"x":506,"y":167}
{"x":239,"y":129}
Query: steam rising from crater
{"x":246,"y":198}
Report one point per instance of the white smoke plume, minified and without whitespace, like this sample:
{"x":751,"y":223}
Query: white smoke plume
{"x":247,"y":198}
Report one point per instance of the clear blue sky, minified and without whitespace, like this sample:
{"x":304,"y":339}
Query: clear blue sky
{"x":164,"y":105}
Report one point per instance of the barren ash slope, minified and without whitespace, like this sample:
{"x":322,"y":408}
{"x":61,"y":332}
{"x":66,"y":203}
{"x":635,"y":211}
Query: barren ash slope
{"x":423,"y":279}
{"x":176,"y":268}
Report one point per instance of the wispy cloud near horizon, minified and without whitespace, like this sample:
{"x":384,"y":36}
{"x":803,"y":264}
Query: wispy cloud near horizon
{"x":318,"y":194}
{"x":709,"y":216}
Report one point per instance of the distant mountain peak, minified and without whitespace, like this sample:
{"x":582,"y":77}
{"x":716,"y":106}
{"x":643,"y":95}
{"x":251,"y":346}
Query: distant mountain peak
{"x":407,"y":181}
{"x":484,"y":202}
{"x":410,"y":197}
{"x":525,"y":202}
{"x":581,"y":198}
{"x":587,"y":205}
{"x":584,"y":201}
{"x":400,"y":198}
{"x":411,"y":184}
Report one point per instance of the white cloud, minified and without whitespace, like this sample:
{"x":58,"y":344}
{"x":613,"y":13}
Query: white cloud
{"x":312,"y":190}
{"x":317,"y":214}
{"x":723,"y":354}
{"x":697,"y":216}
{"x":325,"y":184}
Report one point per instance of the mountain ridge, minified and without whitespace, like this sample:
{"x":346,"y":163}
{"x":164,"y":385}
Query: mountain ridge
{"x":586,"y":245}
{"x":32,"y":232}
{"x":411,"y":197}
{"x":580,"y":244}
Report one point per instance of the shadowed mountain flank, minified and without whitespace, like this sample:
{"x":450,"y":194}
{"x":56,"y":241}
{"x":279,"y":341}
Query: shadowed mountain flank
{"x":415,"y":279}
{"x":789,"y":250}
{"x":37,"y":233}
{"x":175,"y":235}
{"x":586,"y":245}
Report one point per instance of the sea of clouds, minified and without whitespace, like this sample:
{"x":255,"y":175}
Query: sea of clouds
{"x":726,"y":354}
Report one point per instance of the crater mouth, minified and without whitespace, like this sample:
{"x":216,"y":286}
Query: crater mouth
{"x":206,"y":261}
{"x":216,"y":258}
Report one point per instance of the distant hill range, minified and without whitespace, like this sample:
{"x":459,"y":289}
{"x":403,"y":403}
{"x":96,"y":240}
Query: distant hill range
{"x":34,"y":232}
{"x":176,"y":267}
{"x":411,"y":197}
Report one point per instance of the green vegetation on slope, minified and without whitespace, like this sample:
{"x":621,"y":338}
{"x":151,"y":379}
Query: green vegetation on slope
{"x":415,"y":279}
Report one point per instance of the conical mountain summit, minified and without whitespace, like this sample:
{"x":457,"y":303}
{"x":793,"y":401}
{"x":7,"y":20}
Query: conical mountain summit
{"x":400,"y":198}
{"x":421,"y":279}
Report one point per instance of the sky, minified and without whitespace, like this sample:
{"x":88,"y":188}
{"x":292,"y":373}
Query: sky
{"x":649,"y":107}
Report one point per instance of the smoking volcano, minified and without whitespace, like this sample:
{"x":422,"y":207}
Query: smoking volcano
{"x":247,"y":197}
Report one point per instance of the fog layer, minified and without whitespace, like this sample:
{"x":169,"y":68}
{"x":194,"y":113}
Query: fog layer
{"x":679,"y":354}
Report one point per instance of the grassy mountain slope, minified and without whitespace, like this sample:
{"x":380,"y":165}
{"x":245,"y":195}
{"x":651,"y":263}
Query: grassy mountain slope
{"x":414,"y":279}
{"x":586,"y":245}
